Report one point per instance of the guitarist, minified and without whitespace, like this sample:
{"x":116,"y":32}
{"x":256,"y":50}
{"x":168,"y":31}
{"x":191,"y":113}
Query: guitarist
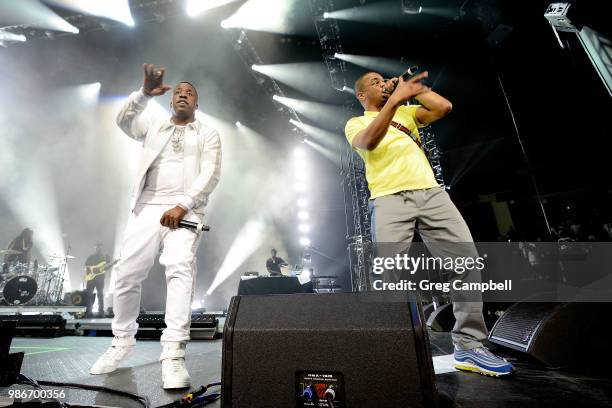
{"x":95,"y":266}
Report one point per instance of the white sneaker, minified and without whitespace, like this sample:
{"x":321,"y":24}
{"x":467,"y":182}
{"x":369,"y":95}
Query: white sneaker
{"x":108,"y":362}
{"x":174,"y":372}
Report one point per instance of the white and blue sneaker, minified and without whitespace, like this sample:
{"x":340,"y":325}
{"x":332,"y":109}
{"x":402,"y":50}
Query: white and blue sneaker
{"x":481,"y":360}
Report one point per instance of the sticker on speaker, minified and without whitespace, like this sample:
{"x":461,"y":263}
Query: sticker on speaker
{"x":318,"y":388}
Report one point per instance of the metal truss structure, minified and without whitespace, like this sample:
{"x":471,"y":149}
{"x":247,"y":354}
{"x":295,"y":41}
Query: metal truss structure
{"x":354,"y":183}
{"x":249,"y":56}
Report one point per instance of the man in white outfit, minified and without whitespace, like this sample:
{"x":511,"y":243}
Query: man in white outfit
{"x":179,"y":168}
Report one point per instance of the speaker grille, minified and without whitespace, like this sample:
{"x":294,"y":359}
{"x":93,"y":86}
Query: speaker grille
{"x":517,"y":327}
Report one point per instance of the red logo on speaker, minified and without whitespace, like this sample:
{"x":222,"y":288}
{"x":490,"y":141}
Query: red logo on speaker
{"x":320,"y":390}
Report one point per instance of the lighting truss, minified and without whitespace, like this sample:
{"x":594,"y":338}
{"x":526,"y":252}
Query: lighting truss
{"x":434,"y":154}
{"x":359,"y":233}
{"x":328,"y":31}
{"x":250,"y":57}
{"x":352,"y":168}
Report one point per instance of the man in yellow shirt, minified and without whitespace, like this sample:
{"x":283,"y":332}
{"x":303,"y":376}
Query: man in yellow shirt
{"x":405,"y":196}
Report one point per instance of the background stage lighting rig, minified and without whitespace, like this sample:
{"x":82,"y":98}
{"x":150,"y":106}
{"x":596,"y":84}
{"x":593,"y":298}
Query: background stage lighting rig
{"x":592,"y":27}
{"x":411,"y":7}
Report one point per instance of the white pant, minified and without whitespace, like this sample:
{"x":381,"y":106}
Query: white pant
{"x":141,"y":242}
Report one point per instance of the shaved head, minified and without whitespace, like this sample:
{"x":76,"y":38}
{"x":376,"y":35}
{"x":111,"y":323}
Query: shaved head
{"x":370,"y":90}
{"x":361,"y":82}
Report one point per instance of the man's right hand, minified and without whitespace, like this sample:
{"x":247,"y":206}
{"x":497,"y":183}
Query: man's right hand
{"x":153,"y":80}
{"x":406,"y":90}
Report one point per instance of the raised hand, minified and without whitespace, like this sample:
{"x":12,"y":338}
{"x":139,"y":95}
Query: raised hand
{"x":406,"y":90}
{"x":153,"y":80}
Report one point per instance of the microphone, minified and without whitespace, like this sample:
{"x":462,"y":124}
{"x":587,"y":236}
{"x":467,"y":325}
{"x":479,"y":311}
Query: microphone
{"x":410,"y":72}
{"x":193,"y":225}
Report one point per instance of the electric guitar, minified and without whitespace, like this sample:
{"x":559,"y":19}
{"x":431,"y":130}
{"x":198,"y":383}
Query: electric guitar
{"x":95,"y":270}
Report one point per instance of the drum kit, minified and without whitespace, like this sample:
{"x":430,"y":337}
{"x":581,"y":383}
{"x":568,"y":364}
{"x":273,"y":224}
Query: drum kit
{"x":32,"y":284}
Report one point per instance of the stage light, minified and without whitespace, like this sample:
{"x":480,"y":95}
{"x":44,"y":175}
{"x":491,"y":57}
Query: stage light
{"x":389,"y":12}
{"x":117,"y":10}
{"x":329,"y":115}
{"x":301,"y":202}
{"x":299,"y":152}
{"x":326,"y":14}
{"x":304,"y":241}
{"x":89,"y":92}
{"x":241,"y":37}
{"x":322,"y":137}
{"x":385,"y":66}
{"x":303,"y":215}
{"x":8,"y":36}
{"x":330,"y":153}
{"x":304,"y":228}
{"x":35,"y":14}
{"x":197,"y":7}
{"x":264,"y":15}
{"x":311,"y":78}
{"x":238,"y":124}
{"x":411,"y":7}
{"x":248,"y":240}
{"x":301,"y":187}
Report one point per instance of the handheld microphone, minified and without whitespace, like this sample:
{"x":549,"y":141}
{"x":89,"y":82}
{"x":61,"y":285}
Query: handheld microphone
{"x":193,"y":225}
{"x":410,"y":72}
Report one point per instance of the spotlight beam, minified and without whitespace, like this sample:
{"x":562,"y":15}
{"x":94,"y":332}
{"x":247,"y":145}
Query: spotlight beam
{"x":197,"y":7}
{"x":8,"y":36}
{"x":311,"y":78}
{"x":327,"y":139}
{"x":386,"y":66}
{"x":391,"y":13}
{"x":35,"y":14}
{"x":331,"y":115}
{"x":273,"y":16}
{"x":248,"y":240}
{"x":117,"y":10}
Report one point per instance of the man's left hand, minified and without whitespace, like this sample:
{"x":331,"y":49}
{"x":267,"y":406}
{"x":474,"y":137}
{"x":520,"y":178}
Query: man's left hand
{"x":172,"y":217}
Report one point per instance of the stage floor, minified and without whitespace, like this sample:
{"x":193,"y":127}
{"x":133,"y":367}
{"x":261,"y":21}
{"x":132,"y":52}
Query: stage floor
{"x":67,"y":359}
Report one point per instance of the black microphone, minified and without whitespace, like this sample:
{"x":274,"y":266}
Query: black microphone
{"x":410,"y":72}
{"x":193,"y":225}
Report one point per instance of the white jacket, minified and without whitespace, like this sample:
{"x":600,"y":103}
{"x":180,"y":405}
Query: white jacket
{"x":202,"y":151}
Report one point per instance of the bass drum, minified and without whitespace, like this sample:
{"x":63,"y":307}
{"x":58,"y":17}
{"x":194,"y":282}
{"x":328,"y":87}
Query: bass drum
{"x":19,"y":290}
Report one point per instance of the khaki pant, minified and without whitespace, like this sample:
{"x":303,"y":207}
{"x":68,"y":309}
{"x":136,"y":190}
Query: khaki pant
{"x":431,"y":212}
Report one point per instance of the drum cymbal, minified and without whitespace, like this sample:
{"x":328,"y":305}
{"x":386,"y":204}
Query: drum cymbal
{"x":9,"y":252}
{"x":55,"y":256}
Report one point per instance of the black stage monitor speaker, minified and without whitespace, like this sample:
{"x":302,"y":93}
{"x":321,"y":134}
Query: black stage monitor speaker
{"x":301,"y":350}
{"x":556,"y":334}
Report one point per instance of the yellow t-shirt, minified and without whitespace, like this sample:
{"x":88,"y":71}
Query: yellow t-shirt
{"x":397,"y":163}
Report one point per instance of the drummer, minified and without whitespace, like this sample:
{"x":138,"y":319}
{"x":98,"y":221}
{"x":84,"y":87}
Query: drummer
{"x":20,"y":248}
